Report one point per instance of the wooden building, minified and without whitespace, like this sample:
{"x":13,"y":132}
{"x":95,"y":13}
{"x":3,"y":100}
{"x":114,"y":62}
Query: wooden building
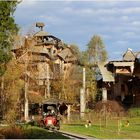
{"x":121,"y":80}
{"x":45,"y":58}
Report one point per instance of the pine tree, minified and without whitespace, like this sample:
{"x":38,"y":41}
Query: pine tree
{"x":8,"y":28}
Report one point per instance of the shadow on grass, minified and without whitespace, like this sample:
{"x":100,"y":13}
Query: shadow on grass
{"x":74,"y":124}
{"x":40,"y":133}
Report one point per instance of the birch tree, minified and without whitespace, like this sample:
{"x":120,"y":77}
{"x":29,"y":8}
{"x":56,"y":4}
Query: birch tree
{"x":96,"y":50}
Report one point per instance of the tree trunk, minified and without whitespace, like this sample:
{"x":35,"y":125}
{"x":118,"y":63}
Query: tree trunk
{"x":1,"y":96}
{"x":26,"y":107}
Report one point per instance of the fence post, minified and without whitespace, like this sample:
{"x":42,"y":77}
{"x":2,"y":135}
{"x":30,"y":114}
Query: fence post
{"x":82,"y":103}
{"x":68,"y":111}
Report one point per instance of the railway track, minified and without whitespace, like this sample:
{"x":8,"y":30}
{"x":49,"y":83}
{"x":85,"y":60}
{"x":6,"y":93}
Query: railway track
{"x":76,"y":136}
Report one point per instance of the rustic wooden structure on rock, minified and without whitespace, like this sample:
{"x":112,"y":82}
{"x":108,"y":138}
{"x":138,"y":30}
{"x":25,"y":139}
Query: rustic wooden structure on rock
{"x":45,"y":58}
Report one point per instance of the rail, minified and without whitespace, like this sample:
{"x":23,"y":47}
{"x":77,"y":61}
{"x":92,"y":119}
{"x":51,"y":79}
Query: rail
{"x":76,"y":136}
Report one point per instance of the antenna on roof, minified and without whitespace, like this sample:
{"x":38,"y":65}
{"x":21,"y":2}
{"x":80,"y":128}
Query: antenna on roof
{"x":40,"y":25}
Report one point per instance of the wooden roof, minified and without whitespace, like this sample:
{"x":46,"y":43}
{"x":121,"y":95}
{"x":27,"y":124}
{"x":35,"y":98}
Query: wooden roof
{"x":67,"y":55}
{"x":41,"y":33}
{"x":122,"y":63}
{"x":129,"y":55}
{"x":106,"y":75}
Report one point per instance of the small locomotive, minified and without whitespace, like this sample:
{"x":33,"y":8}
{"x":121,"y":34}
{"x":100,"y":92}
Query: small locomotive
{"x":51,"y":111}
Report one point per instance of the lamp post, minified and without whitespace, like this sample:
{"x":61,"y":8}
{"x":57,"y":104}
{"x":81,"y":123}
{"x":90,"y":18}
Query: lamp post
{"x":134,"y":98}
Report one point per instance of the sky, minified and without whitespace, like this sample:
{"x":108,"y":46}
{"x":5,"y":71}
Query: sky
{"x":77,"y":21}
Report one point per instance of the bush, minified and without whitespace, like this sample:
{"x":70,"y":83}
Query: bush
{"x":133,"y":112}
{"x":98,"y":96}
{"x":12,"y":132}
{"x":2,"y":136}
{"x":111,"y":107}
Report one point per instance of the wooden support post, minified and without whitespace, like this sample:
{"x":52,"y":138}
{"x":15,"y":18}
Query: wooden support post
{"x":82,"y":96}
{"x":68,"y":111}
{"x":118,"y":125}
{"x":100,"y":122}
{"x":48,"y":83}
{"x":104,"y":94}
{"x":45,"y":90}
{"x":82,"y":103}
{"x":26,"y":105}
{"x":84,"y":79}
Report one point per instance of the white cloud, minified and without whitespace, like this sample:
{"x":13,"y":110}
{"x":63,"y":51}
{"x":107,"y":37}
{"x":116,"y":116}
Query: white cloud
{"x":121,"y":42}
{"x":54,"y":19}
{"x":103,"y":11}
{"x":51,"y":19}
{"x":129,"y":34}
{"x":116,"y":21}
{"x":131,"y":10}
{"x":136,"y":23}
{"x":125,"y":18}
{"x":28,"y":3}
{"x":89,"y":11}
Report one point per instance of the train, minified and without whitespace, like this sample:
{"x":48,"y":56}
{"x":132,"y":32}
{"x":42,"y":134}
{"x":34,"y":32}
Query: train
{"x":52,"y":110}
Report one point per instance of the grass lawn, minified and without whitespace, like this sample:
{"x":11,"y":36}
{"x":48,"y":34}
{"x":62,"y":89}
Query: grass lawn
{"x":29,"y":132}
{"x":112,"y":130}
{"x":40,"y":133}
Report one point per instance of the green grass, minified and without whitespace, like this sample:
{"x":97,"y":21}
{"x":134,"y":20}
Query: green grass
{"x":110,"y":131}
{"x":40,"y":133}
{"x":29,"y":132}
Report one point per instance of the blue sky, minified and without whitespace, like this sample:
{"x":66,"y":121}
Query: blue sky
{"x":76,"y":21}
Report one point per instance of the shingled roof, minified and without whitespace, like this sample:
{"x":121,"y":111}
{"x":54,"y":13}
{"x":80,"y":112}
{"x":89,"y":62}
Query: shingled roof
{"x":41,"y":33}
{"x":40,"y":49}
{"x":129,"y":55}
{"x":122,"y":63}
{"x":106,"y":75}
{"x":67,"y":55}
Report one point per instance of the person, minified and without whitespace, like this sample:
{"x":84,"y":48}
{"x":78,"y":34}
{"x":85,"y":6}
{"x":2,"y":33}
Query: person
{"x":88,"y":124}
{"x":127,"y":123}
{"x":52,"y":112}
{"x":48,"y":113}
{"x":44,"y":114}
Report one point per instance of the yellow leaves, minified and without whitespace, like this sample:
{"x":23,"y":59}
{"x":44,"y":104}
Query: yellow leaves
{"x":12,"y":87}
{"x":14,"y":71}
{"x":35,"y":97}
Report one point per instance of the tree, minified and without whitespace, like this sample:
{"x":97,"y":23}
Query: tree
{"x":8,"y":28}
{"x":75,"y":50}
{"x":13,"y":85}
{"x":67,"y":86}
{"x":96,"y":50}
{"x":96,"y":53}
{"x":90,"y":87}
